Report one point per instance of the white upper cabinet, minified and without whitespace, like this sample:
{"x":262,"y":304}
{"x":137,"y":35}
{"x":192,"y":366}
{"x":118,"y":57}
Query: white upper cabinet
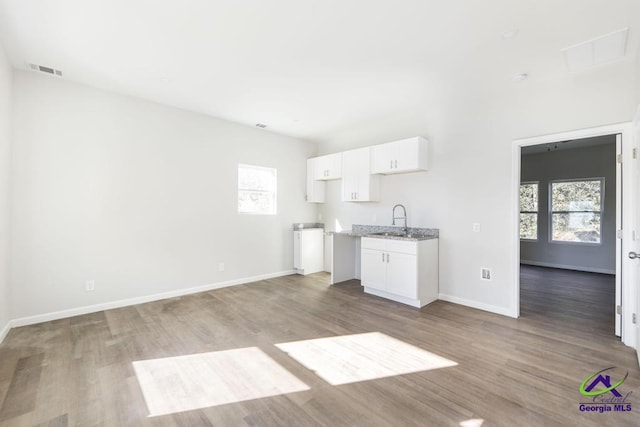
{"x":315,"y":189}
{"x":406,"y":155}
{"x":358,"y":185}
{"x":328,"y":167}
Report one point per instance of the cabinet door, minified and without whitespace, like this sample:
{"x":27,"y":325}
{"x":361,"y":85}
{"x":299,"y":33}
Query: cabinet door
{"x":312,"y":250}
{"x":358,"y":185}
{"x":328,"y":167}
{"x":382,"y":157}
{"x":315,"y":188}
{"x":368,"y":184}
{"x":402,"y":275}
{"x":321,"y":167}
{"x":334,"y":162}
{"x":373,"y":269}
{"x":406,"y":155}
{"x":411,"y":155}
{"x":297,"y":252}
{"x":350,"y":176}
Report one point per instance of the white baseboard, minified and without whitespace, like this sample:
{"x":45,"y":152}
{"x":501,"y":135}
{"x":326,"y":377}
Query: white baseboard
{"x":479,"y":305}
{"x":568,"y":267}
{"x":5,"y":331}
{"x":46,"y":317}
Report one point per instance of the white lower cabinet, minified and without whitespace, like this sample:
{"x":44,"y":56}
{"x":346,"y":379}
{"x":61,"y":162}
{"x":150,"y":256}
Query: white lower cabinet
{"x":308,"y":250}
{"x":400,"y":270}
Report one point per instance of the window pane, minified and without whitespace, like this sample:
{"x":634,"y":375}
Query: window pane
{"x":529,"y":197}
{"x":576,"y":227}
{"x":576,"y":196}
{"x":257,"y":187}
{"x":256,"y":202}
{"x":529,"y":226}
{"x":256,"y":178}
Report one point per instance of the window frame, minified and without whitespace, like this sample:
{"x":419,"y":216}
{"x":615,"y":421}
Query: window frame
{"x":537,"y":212}
{"x":551,"y":211}
{"x":274,"y":192}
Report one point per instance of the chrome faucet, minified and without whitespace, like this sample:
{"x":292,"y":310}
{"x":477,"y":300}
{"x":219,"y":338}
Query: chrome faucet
{"x":394,"y":217}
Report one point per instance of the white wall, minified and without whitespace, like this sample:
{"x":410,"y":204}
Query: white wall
{"x":470,"y":177}
{"x":578,"y":162}
{"x":137,"y":196}
{"x":637,"y":73}
{"x":5,"y":138}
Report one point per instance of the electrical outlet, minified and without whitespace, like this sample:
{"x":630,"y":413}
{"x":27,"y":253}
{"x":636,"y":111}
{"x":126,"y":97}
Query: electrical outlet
{"x":485,"y":273}
{"x":476,"y":227}
{"x":221,"y":266}
{"x":90,"y":285}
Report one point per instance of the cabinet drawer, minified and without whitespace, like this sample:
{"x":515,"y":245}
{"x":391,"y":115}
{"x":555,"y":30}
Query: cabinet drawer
{"x":402,"y":246}
{"x":390,"y":245}
{"x":374,"y":243}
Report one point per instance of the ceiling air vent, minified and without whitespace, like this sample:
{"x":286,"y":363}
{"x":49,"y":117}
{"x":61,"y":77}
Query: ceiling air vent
{"x":43,"y":69}
{"x":601,"y":50}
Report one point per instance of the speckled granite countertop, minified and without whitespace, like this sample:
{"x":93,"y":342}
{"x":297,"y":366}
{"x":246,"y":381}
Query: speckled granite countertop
{"x":387,"y":232}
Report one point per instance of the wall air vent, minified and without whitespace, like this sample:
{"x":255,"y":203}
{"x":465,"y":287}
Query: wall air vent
{"x":43,"y":69}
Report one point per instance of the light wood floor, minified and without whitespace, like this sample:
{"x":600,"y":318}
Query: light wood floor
{"x":510,"y":372}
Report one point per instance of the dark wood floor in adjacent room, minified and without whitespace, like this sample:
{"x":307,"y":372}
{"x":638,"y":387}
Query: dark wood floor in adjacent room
{"x":577,"y":299}
{"x":509,"y":372}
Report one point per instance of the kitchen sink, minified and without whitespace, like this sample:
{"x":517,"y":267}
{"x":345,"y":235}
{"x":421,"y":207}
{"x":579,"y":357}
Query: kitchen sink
{"x":391,"y":234}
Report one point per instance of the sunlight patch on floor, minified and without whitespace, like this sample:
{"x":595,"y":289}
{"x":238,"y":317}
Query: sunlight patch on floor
{"x":476,"y":422}
{"x":184,"y":383}
{"x":353,"y":358}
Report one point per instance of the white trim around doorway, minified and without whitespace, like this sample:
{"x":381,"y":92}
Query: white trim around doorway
{"x":628,"y":205}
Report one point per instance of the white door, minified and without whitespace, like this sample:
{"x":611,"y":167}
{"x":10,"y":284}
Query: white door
{"x":402,"y":271}
{"x":350,"y":176}
{"x":635,"y":251}
{"x":619,"y":260}
{"x":297,"y":251}
{"x":383,"y":156}
{"x":374,"y":269}
{"x":334,"y":163}
{"x":321,"y":167}
{"x":406,"y":154}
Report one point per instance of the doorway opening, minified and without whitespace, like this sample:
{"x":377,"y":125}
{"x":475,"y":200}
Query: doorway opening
{"x":566,"y":221}
{"x":569,"y":214}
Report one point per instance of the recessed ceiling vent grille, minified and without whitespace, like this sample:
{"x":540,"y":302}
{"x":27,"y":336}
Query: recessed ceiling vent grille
{"x":601,"y":50}
{"x":43,"y":69}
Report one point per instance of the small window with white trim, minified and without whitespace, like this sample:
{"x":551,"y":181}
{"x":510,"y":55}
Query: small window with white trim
{"x":529,"y":211}
{"x":576,"y":210}
{"x":257,"y":187}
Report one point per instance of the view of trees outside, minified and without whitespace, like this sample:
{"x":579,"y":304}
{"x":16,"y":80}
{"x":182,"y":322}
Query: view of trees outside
{"x":529,"y":210}
{"x":576,"y":210}
{"x":256,"y":190}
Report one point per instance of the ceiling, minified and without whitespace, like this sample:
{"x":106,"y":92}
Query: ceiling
{"x":305,"y":68}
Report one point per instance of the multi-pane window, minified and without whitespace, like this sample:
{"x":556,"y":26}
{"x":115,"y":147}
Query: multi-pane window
{"x":529,"y":210}
{"x":257,"y":187}
{"x":576,"y":210}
